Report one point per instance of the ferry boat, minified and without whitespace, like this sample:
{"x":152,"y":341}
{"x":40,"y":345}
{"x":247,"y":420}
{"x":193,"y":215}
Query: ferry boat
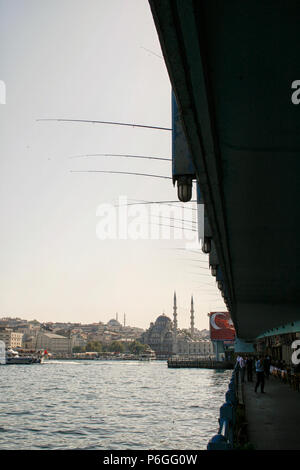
{"x":148,"y":355}
{"x":13,"y":357}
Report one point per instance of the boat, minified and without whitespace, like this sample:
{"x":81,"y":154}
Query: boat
{"x":13,"y":357}
{"x":147,"y":355}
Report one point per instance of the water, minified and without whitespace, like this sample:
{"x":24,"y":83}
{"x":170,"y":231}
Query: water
{"x":109,"y":405}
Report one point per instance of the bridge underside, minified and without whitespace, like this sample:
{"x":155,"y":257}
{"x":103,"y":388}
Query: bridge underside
{"x":231,"y":66}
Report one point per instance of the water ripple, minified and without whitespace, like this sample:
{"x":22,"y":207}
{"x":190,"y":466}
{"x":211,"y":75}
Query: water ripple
{"x":109,"y":405}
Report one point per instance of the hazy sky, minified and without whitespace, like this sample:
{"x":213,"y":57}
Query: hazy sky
{"x":87,"y":59}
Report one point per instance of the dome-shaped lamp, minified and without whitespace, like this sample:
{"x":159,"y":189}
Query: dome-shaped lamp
{"x":213,"y":270}
{"x":206,"y":246}
{"x":184,"y":188}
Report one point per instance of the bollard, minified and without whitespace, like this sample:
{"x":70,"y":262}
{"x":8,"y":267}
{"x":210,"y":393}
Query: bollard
{"x":230,"y":397}
{"x":227,"y":413}
{"x":224,"y":439}
{"x":218,"y":442}
{"x":231,"y":387}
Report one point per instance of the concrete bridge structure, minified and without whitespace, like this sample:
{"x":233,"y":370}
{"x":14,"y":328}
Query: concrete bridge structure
{"x":235,"y":69}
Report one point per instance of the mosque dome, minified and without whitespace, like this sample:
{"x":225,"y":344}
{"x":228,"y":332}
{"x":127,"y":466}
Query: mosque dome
{"x":114,"y":322}
{"x":163,"y":320}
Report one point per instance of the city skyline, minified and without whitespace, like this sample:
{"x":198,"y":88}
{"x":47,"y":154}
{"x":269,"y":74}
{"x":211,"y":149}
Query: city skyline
{"x":119,"y":317}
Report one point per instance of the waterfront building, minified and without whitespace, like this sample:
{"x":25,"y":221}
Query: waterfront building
{"x":159,"y":336}
{"x":78,"y":341}
{"x":54,"y":343}
{"x":166,"y":339}
{"x":29,"y":342}
{"x":12,"y":339}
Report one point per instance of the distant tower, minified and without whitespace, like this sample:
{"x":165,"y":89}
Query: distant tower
{"x":192,"y":318}
{"x":175,"y":324}
{"x":117,"y":316}
{"x":124,"y":319}
{"x":175,"y":313}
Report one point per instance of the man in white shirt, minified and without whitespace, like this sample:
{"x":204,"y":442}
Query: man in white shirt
{"x":242,"y":364}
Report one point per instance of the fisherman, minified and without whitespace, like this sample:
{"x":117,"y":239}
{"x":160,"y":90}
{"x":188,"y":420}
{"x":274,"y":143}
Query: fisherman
{"x":242,"y":363}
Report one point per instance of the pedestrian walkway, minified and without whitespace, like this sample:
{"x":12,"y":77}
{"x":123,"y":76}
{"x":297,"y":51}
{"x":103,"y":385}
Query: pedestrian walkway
{"x":272,"y":418}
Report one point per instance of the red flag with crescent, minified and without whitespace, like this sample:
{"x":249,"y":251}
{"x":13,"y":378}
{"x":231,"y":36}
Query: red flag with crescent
{"x":221,"y":326}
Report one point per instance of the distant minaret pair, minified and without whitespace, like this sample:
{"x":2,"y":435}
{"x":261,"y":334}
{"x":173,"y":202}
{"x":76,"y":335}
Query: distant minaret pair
{"x":175,"y":315}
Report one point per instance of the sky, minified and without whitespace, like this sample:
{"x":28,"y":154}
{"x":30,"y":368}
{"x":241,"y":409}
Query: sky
{"x":67,"y":252}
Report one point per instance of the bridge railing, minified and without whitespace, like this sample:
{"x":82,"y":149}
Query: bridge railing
{"x":225,"y":437}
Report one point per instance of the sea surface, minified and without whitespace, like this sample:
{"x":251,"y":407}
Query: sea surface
{"x":109,"y":405}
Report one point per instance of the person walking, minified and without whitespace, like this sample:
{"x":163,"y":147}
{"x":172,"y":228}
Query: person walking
{"x":260,"y":375}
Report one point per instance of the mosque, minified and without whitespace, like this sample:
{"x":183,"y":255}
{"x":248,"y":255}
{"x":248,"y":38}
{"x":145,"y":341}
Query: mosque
{"x":166,"y":339}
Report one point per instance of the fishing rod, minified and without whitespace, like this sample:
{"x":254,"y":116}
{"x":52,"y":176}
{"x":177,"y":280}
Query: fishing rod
{"x":121,"y":155}
{"x":207,"y":274}
{"x":168,"y":203}
{"x":89,"y":121}
{"x":161,"y":216}
{"x":192,"y":251}
{"x":172,"y":226}
{"x":188,"y":251}
{"x":153,"y":53}
{"x":174,"y":218}
{"x":206,"y":283}
{"x":121,"y":173}
{"x":190,"y":260}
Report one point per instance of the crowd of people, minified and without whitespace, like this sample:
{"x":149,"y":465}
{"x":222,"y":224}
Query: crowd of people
{"x":263,"y":366}
{"x":246,"y":365}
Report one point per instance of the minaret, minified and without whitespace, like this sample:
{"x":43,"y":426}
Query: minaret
{"x":175,"y":313}
{"x":192,"y":318}
{"x":175,"y":324}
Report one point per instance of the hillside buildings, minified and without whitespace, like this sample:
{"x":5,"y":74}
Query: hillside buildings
{"x":61,"y":337}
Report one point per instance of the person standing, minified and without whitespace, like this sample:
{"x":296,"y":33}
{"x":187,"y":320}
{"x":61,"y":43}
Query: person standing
{"x":260,"y":375}
{"x":242,"y":368}
{"x":249,"y":367}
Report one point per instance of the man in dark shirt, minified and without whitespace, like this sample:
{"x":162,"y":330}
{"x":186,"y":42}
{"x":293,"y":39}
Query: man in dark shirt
{"x":260,"y":375}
